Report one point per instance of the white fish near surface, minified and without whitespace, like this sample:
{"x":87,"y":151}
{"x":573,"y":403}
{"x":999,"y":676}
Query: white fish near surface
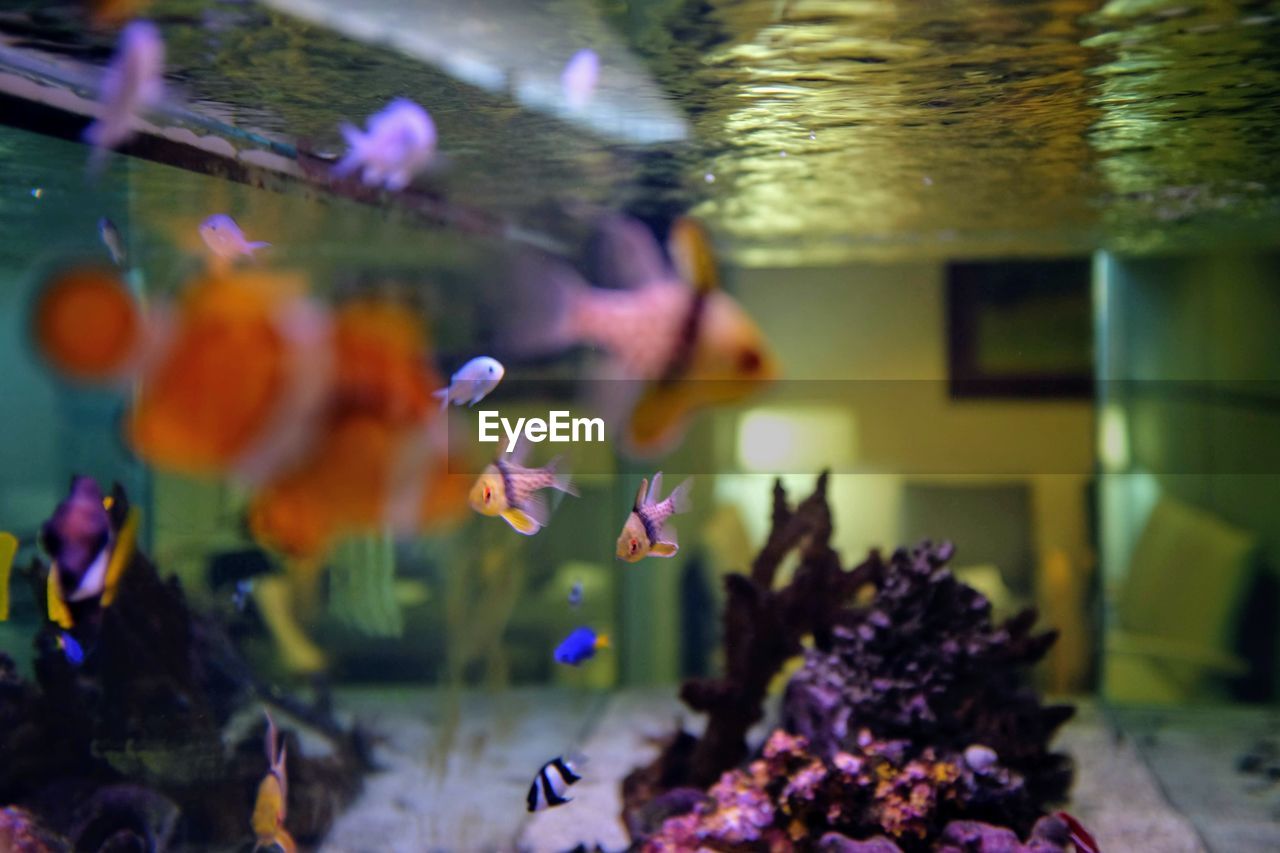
{"x":132,"y":83}
{"x":399,"y":143}
{"x":472,"y":382}
{"x":579,"y":78}
{"x":225,"y":239}
{"x":552,"y":782}
{"x":113,"y":240}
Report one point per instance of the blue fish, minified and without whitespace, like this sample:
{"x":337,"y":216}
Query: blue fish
{"x":240,"y":597}
{"x":575,"y":595}
{"x":71,"y":648}
{"x":581,"y":645}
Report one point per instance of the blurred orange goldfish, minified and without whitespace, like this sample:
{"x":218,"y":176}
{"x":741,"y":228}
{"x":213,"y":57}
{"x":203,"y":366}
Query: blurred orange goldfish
{"x":240,"y":382}
{"x":271,"y":807}
{"x":379,"y":458}
{"x":87,"y":324}
{"x":689,"y":344}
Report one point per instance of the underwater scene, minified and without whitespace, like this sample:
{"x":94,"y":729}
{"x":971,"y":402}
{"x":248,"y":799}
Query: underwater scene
{"x":640,"y":425}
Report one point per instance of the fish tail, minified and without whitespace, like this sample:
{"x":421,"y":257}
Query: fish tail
{"x":602,"y":641}
{"x":680,"y":499}
{"x":543,"y":317}
{"x":560,"y":480}
{"x":355,"y":150}
{"x":255,"y":246}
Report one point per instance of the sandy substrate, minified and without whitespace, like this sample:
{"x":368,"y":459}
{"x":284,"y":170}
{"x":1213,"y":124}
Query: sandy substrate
{"x":457,"y":771}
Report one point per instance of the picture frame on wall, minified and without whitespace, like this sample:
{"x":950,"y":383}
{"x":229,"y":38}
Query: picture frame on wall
{"x":1020,"y":329}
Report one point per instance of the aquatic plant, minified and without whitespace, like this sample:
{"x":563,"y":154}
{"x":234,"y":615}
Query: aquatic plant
{"x":910,"y":720}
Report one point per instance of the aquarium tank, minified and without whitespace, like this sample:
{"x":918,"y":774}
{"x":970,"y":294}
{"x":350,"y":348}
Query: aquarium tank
{"x":639,"y":425}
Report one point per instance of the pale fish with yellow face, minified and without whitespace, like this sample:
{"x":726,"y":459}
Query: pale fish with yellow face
{"x":676,"y":341}
{"x":507,"y":489}
{"x":646,"y":532}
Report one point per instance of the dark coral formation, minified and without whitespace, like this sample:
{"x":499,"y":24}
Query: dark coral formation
{"x":924,"y":663}
{"x":126,"y":748}
{"x":909,"y":727}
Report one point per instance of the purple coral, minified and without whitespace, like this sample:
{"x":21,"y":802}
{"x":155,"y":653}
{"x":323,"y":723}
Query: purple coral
{"x":909,"y":726}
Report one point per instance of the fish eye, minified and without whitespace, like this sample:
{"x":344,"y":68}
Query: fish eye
{"x":749,"y":360}
{"x":488,"y":493}
{"x":490,"y":370}
{"x":635,"y":546}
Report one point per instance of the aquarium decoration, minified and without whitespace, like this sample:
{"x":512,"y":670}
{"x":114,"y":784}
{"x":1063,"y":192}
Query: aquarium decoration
{"x":909,"y":726}
{"x":144,"y":725}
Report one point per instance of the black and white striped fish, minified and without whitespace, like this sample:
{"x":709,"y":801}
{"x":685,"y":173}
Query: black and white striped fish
{"x":553,"y":781}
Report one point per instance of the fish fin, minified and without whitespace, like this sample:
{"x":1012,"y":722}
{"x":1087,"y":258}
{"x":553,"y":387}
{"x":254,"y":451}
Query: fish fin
{"x":521,"y":522}
{"x":256,"y":245}
{"x":655,"y":490}
{"x":59,"y":614}
{"x":541,"y":315}
{"x":8,"y":550}
{"x":602,"y":641}
{"x":519,"y":454}
{"x":121,"y":556}
{"x":575,"y":759}
{"x":355,"y":140}
{"x":641,"y":494}
{"x":560,"y":479}
{"x":536,"y":508}
{"x":679,"y":497}
{"x":692,"y":254}
{"x":626,"y":254}
{"x":664,"y":549}
{"x":278,"y":767}
{"x":658,"y":419}
{"x":443,"y":396}
{"x":667,"y":534}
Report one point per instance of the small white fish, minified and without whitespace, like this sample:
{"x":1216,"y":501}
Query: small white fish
{"x":579,"y":78}
{"x":112,"y":239}
{"x":646,"y":532}
{"x":225,"y":239}
{"x":399,"y":143}
{"x":131,"y":84}
{"x":472,"y":383}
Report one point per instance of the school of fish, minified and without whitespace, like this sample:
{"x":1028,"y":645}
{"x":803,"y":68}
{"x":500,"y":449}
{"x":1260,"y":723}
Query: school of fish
{"x":333,"y":416}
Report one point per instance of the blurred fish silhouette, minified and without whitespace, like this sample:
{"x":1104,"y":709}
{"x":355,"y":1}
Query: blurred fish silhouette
{"x":399,"y":143}
{"x":91,"y":542}
{"x":225,"y":239}
{"x":646,"y":532}
{"x":240,"y":594}
{"x":271,"y":806}
{"x":472,"y":383}
{"x":575,"y":595}
{"x":580,"y":646}
{"x":508,"y":489}
{"x":112,"y":239}
{"x":579,"y":78}
{"x":132,"y":84}
{"x":677,"y":343}
{"x":87,"y":324}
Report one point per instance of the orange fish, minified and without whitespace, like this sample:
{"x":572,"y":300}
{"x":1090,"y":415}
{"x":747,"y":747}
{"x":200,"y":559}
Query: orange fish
{"x":677,"y":343}
{"x":379,"y":458}
{"x":87,"y":324}
{"x":271,"y":807}
{"x":240,"y":381}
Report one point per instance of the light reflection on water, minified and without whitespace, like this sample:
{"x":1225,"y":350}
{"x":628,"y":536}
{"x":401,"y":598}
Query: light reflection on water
{"x":826,"y":130}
